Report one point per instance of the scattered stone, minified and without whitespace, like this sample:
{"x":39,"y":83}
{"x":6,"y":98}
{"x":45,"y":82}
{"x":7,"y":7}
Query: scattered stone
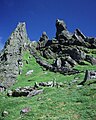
{"x":35,"y":92}
{"x":2,"y":88}
{"x":39,"y":98}
{"x":29,"y":72}
{"x":5,"y":113}
{"x":79,"y":86}
{"x":9,"y":93}
{"x":47,"y":84}
{"x":51,"y":84}
{"x":25,"y":110}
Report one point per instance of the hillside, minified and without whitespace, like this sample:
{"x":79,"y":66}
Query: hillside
{"x":66,"y":102}
{"x":57,"y":67}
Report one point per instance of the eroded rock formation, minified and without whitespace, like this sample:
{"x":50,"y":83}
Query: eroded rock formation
{"x":66,"y":49}
{"x":59,"y":54}
{"x":11,"y":55}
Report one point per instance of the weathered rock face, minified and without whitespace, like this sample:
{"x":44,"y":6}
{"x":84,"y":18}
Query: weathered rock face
{"x":66,"y":49}
{"x":11,"y":55}
{"x":43,"y":40}
{"x":62,"y":34}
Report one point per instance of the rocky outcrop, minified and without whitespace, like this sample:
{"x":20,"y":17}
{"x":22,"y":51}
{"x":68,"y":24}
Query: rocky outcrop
{"x":43,"y":40}
{"x":24,"y":91}
{"x":62,"y":34}
{"x":60,"y":54}
{"x":11,"y":55}
{"x":66,"y":49}
{"x":56,"y":66}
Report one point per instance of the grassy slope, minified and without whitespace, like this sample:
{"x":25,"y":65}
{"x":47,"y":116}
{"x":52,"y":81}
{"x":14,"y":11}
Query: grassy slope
{"x":67,"y":103}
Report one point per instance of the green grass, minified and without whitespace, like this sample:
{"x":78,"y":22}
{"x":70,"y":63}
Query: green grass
{"x":63,"y":103}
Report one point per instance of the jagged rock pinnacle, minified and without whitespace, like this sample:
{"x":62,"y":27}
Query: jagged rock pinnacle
{"x":61,"y":30}
{"x":11,"y":55}
{"x":19,"y":35}
{"x":60,"y":25}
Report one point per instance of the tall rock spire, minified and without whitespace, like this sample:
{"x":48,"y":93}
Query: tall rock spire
{"x":61,"y":30}
{"x":11,"y":55}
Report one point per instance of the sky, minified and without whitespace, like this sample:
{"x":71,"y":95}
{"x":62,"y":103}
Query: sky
{"x":41,"y":15}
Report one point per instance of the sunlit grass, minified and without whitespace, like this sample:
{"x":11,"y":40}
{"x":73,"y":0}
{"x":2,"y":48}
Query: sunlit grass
{"x":63,"y":103}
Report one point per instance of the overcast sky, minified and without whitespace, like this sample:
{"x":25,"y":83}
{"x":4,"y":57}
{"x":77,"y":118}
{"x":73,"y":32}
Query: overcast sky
{"x":40,"y":15}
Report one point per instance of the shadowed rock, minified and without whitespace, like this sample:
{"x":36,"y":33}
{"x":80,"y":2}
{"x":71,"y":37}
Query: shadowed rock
{"x":43,"y":40}
{"x":66,"y":49}
{"x":25,"y":110}
{"x":24,"y":91}
{"x":89,"y":75}
{"x":61,"y":31}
